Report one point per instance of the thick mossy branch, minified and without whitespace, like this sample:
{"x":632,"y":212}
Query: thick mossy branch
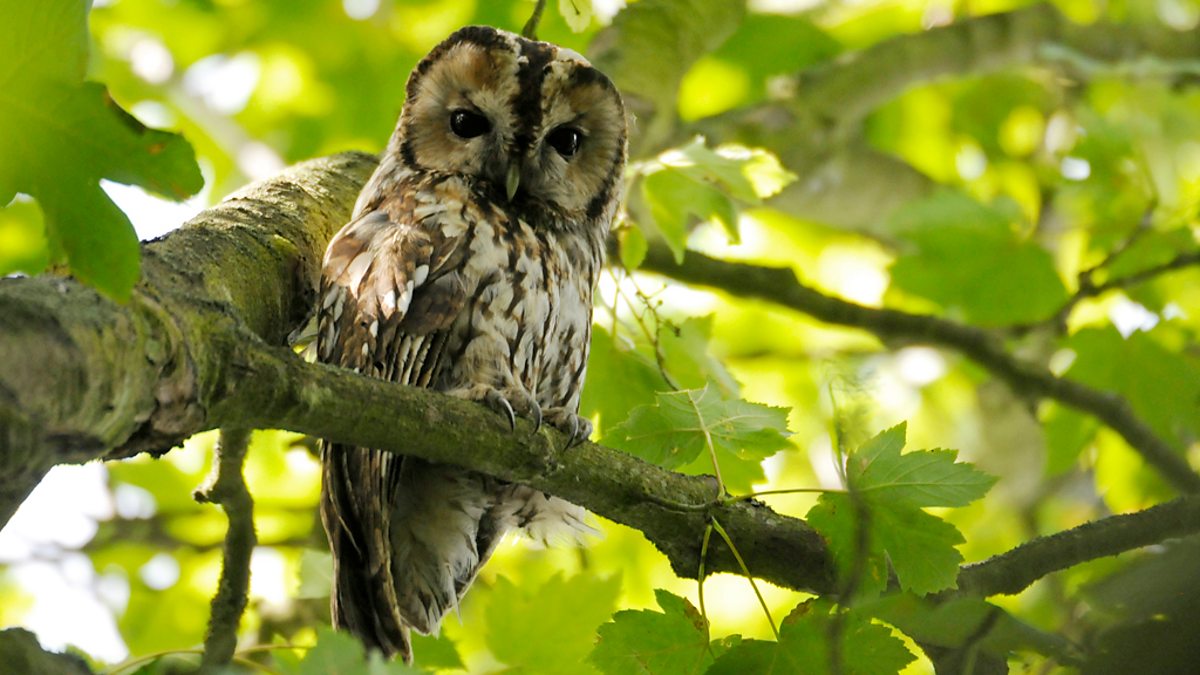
{"x":227,"y":487}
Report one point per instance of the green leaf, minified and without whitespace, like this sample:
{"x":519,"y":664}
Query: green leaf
{"x":550,"y":628}
{"x":835,"y":517}
{"x":1162,"y":386}
{"x":652,"y":43}
{"x":685,"y":354}
{"x":679,"y":427}
{"x":60,"y":135}
{"x":965,"y":621}
{"x":577,"y":13}
{"x":674,"y":198}
{"x":804,"y":643}
{"x":967,"y":257}
{"x":925,"y":478}
{"x":22,"y":239}
{"x":619,"y":379}
{"x":338,"y":653}
{"x":671,"y":642}
{"x":921,"y":546}
{"x":701,"y":182}
{"x":435,"y":652}
{"x":891,"y":488}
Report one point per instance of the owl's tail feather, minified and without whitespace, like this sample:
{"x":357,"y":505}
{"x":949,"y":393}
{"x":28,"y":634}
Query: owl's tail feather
{"x":354,"y":508}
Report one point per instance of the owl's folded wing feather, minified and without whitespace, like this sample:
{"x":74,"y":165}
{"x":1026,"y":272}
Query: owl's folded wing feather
{"x":386,"y":298}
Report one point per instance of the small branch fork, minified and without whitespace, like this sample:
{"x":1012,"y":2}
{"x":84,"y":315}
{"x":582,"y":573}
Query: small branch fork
{"x":227,"y":487}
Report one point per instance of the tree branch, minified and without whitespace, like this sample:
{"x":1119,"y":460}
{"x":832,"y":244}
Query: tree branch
{"x":193,"y":351}
{"x":780,"y":286}
{"x":227,"y":487}
{"x":1013,"y":571}
{"x":180,"y":359}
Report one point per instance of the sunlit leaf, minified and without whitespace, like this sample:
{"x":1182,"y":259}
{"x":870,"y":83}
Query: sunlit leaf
{"x":549,"y":628}
{"x":60,"y":135}
{"x":890,"y":489}
{"x":681,"y":426}
{"x":967,"y":257}
{"x":671,"y":642}
{"x":577,"y":13}
{"x":805,"y":637}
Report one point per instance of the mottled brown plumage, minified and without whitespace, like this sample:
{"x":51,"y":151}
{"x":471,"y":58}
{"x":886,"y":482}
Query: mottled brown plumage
{"x":468,"y":268}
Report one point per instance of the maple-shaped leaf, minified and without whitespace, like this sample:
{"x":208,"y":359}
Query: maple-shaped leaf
{"x":60,"y":135}
{"x":338,"y":653}
{"x":805,"y":637}
{"x":682,"y":426}
{"x":549,"y":628}
{"x":887,"y":492}
{"x":671,"y":642}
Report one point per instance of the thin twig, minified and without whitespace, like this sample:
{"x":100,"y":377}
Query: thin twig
{"x":227,"y":487}
{"x":780,"y":286}
{"x":529,"y":32}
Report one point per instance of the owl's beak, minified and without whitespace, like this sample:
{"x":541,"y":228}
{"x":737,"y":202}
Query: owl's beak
{"x":513,"y":180}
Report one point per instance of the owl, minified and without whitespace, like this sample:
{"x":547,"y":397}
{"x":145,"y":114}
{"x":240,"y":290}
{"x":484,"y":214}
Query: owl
{"x":468,"y":268}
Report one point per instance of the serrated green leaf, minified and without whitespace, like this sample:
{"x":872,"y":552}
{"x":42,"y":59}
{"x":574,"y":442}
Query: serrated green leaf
{"x":59,"y":136}
{"x":550,"y":628}
{"x":679,"y":427}
{"x":924,"y":478}
{"x":920,"y":546}
{"x":577,"y":13}
{"x":891,"y":488}
{"x":804,"y":643}
{"x":671,"y":642}
{"x":835,"y":517}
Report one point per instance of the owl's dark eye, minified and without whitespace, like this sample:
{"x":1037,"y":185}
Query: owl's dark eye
{"x":565,"y":140}
{"x":468,"y":124}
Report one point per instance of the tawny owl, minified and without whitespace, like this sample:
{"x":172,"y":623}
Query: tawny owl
{"x":468,"y":267}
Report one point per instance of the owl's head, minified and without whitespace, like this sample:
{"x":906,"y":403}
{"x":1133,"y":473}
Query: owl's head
{"x":533,"y":122}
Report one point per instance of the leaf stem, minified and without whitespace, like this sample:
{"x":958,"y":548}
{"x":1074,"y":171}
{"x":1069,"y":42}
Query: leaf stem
{"x":708,"y":530}
{"x":716,"y":525}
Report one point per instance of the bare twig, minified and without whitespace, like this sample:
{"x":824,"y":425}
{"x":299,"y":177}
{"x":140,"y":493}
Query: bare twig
{"x":227,"y":487}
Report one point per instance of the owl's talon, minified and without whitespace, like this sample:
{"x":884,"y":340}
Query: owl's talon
{"x":500,"y":404}
{"x":577,"y":428}
{"x":537,"y":418}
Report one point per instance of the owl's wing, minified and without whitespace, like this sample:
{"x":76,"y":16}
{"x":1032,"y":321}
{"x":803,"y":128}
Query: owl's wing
{"x":386,"y":300}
